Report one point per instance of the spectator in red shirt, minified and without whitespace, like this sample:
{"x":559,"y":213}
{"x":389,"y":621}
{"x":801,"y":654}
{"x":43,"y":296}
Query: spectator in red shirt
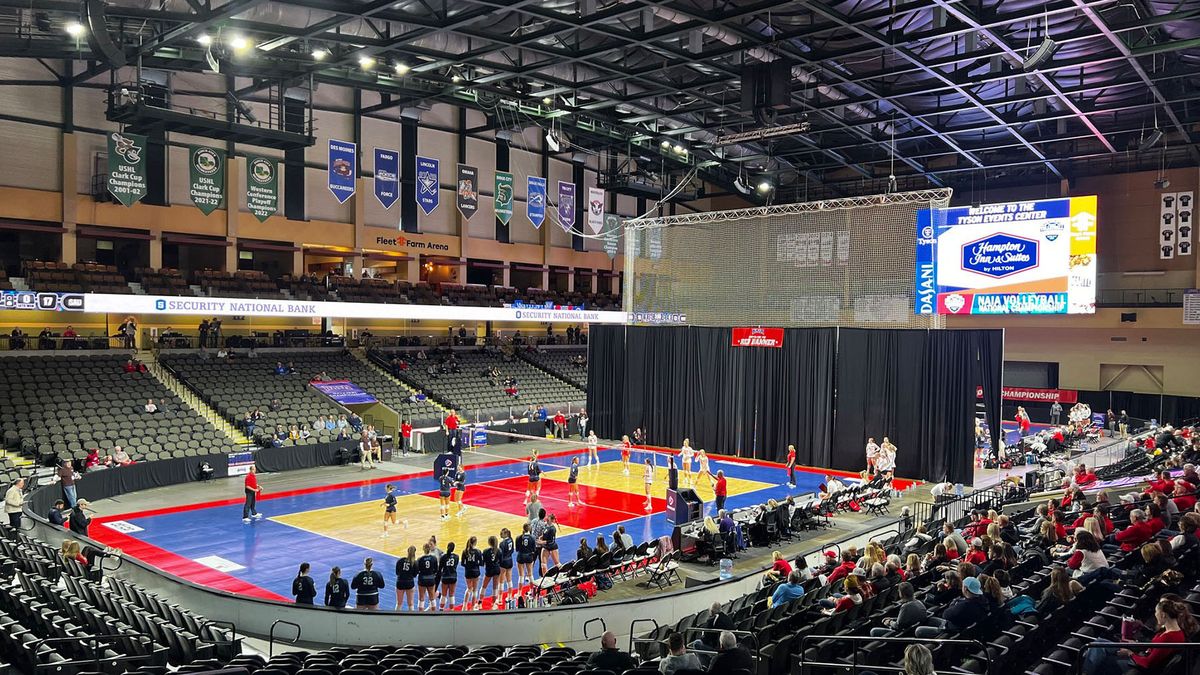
{"x":1175,"y":623}
{"x":1083,"y":477}
{"x":842,"y":570}
{"x":780,"y":569}
{"x":976,"y":554}
{"x":252,"y":491}
{"x":1137,"y":533}
{"x":1160,"y":483}
{"x":721,"y":490}
{"x":1185,"y":495}
{"x":405,"y":437}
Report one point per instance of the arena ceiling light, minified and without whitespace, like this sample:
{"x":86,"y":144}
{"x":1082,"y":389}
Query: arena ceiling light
{"x":401,"y":68}
{"x":319,"y":54}
{"x":366,"y":62}
{"x":74,"y":29}
{"x":765,"y":185}
{"x":238,"y":43}
{"x":204,"y":39}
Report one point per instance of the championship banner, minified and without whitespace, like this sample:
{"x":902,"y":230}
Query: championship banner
{"x":343,"y":158}
{"x":387,"y":176}
{"x":535,"y":202}
{"x":612,"y":234}
{"x":429,"y":184}
{"x":566,"y":205}
{"x":127,"y":167}
{"x":758,"y":337}
{"x":595,"y":216}
{"x":1031,"y":395}
{"x":468,"y":190}
{"x":504,"y":196}
{"x":262,"y":186}
{"x":206,"y":177}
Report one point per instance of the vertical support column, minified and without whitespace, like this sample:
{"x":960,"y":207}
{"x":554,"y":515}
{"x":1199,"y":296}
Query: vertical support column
{"x":570,"y":279}
{"x":544,"y":230}
{"x":69,"y":252}
{"x":506,"y":276}
{"x":408,"y":176}
{"x":298,"y":263}
{"x":413,"y":271}
{"x":233,"y":178}
{"x":581,"y":207}
{"x":156,"y":252}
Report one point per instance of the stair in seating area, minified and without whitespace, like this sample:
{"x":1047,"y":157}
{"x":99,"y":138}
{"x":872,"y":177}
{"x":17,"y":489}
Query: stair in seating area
{"x":196,"y":290}
{"x":191,"y":399}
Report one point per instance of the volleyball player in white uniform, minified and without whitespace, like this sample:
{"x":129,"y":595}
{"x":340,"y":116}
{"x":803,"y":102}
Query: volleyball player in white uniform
{"x":872,"y":453}
{"x":686,"y":454}
{"x":703,"y":472}
{"x":649,"y":480}
{"x":593,"y":453}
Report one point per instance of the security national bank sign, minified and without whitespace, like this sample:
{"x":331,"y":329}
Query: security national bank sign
{"x":106,"y":303}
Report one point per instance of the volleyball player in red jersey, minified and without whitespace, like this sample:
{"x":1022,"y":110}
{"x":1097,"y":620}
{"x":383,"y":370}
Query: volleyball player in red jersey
{"x":625,"y":447}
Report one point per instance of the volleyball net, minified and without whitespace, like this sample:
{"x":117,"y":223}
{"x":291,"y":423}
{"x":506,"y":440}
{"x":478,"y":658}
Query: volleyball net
{"x":553,"y":453}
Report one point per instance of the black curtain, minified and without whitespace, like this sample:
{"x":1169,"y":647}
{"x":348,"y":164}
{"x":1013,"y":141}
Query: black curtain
{"x":990,"y":352}
{"x":690,"y":382}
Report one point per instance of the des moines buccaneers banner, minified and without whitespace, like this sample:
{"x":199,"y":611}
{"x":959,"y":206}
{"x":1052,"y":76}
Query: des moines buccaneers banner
{"x":758,"y":337}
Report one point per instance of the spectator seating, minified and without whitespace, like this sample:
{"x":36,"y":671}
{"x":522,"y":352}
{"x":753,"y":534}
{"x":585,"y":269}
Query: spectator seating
{"x":418,"y":660}
{"x":68,"y":404}
{"x":165,"y":281}
{"x":559,"y":362}
{"x":470,"y":390}
{"x":234,"y":387}
{"x":61,"y":277}
{"x":240,"y":284}
{"x":305,"y":287}
{"x":5,"y":284}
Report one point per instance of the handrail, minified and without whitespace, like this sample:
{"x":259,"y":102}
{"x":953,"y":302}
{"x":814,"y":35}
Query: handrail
{"x":859,"y":639}
{"x":1189,"y":648}
{"x":635,"y":622}
{"x":221,"y":624}
{"x":95,"y":643}
{"x":271,"y":635}
{"x":742,"y":635}
{"x":603,"y":627}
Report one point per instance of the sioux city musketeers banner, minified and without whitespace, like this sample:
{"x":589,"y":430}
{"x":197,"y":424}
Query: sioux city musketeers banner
{"x":595,"y":215}
{"x":504,"y":196}
{"x":566,"y":205}
{"x":429,"y":181}
{"x":535,"y":202}
{"x":468,"y":190}
{"x":387,"y":176}
{"x":262,"y":186}
{"x":127,"y":167}
{"x":206,"y":177}
{"x":612,"y":234}
{"x":343,"y":160}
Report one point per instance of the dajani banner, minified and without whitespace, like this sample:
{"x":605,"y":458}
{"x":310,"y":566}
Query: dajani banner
{"x":342,"y":171}
{"x":1031,"y":395}
{"x":535,"y":201}
{"x":387,"y":176}
{"x":758,"y":337}
{"x":504,"y":196}
{"x":429,"y":181}
{"x":595,"y":216}
{"x":206,"y":177}
{"x":127,"y":167}
{"x":566,"y":205}
{"x":262,"y":186}
{"x":468,"y":190}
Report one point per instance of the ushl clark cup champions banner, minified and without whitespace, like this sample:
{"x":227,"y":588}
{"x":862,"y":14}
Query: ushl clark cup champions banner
{"x":1036,"y":257}
{"x":127,"y":167}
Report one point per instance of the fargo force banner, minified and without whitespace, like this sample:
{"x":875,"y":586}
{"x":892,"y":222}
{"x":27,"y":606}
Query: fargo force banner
{"x":535,"y":201}
{"x":206,"y":177}
{"x":467,"y":196}
{"x":127,"y":167}
{"x":566,"y":205}
{"x":387,"y":176}
{"x":342,"y":170}
{"x":1036,"y":257}
{"x":429,"y":184}
{"x":262,"y":186}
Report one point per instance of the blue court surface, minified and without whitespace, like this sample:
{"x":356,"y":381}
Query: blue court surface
{"x":341,"y":524}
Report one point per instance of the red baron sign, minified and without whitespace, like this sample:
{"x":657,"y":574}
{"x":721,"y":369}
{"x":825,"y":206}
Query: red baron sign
{"x":757,"y":337}
{"x":1028,"y":394}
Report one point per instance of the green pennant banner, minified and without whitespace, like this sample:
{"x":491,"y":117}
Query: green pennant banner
{"x":262,"y":186}
{"x":504,"y":196}
{"x":206,"y":171}
{"x":127,"y":167}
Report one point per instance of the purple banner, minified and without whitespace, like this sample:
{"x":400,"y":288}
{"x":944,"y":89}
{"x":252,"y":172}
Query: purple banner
{"x":566,"y":205}
{"x":343,"y":391}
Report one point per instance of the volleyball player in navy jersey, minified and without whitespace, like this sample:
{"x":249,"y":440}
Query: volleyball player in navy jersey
{"x":389,"y":509}
{"x":491,"y":573}
{"x":573,"y":484}
{"x":549,"y":543}
{"x":460,"y":489}
{"x":507,"y":548}
{"x":472,"y":560}
{"x":526,"y":554}
{"x":428,"y":569}
{"x":445,"y":486}
{"x":406,"y":574}
{"x":448,"y":579}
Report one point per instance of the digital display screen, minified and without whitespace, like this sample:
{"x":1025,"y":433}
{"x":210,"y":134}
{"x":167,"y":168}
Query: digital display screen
{"x":1033,"y":257}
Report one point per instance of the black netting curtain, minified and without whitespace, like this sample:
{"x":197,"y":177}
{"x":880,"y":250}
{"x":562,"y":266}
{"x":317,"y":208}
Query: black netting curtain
{"x":917,"y":388}
{"x":681,"y":382}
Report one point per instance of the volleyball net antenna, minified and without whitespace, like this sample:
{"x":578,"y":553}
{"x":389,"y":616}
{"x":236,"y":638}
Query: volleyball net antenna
{"x":554,"y":454}
{"x":844,"y":262}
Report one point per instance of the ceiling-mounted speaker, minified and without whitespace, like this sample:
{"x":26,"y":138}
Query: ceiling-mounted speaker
{"x":1042,"y":54}
{"x":767,"y":85}
{"x":94,"y":14}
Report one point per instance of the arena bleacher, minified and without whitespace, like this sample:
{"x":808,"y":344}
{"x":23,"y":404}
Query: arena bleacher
{"x":568,"y":363}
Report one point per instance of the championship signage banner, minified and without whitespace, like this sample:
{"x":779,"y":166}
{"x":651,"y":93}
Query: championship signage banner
{"x":262,"y":186}
{"x":344,"y":392}
{"x":758,"y":337}
{"x":595,"y":216}
{"x":343,"y":158}
{"x":566,"y":205}
{"x":127,"y":167}
{"x":429,"y":184}
{"x":504,"y":196}
{"x":387,"y":176}
{"x":468,"y":190}
{"x":206,"y":177}
{"x":535,"y":201}
{"x":1031,"y":395}
{"x":612,"y":234}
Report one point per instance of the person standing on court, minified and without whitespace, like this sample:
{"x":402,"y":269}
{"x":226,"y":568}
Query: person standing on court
{"x":14,"y":503}
{"x":872,"y":453}
{"x":583,"y":424}
{"x":451,"y":426}
{"x":560,"y":425}
{"x":252,"y":489}
{"x":1055,"y":413}
{"x":721,"y":489}
{"x":366,"y":585}
{"x":303,"y":587}
{"x":791,"y":466}
{"x":405,"y":437}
